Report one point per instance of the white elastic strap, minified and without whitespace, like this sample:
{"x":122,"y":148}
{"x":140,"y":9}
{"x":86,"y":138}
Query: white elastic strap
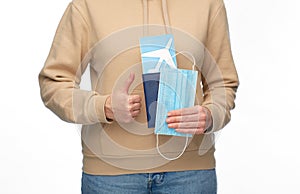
{"x":165,"y":157}
{"x":190,"y":54}
{"x":187,"y":138}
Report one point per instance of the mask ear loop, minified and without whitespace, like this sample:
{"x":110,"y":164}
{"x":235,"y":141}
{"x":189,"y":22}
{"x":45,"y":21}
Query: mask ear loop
{"x":186,"y":137}
{"x":190,"y":54}
{"x":165,"y":157}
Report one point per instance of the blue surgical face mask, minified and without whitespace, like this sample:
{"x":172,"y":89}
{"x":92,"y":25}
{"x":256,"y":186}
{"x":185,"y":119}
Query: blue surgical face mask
{"x":177,"y":90}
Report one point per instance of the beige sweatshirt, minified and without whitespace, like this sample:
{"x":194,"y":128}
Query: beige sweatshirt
{"x":104,"y":34}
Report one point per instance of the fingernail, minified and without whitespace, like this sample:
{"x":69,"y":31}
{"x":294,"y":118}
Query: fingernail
{"x":170,"y":126}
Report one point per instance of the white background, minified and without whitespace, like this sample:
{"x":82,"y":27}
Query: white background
{"x":257,"y":153}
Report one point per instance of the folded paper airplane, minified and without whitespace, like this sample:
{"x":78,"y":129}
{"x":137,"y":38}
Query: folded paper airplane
{"x":157,"y":51}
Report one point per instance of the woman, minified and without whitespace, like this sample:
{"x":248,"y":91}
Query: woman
{"x":119,"y":151}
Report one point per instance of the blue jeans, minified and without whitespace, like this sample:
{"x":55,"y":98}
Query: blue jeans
{"x":195,"y":181}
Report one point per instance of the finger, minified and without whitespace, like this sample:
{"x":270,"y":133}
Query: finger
{"x":187,"y":125}
{"x":135,"y":106}
{"x":128,"y":83}
{"x":135,"y":113}
{"x":186,"y":118}
{"x":185,"y":111}
{"x":134,"y":99}
{"x":190,"y":131}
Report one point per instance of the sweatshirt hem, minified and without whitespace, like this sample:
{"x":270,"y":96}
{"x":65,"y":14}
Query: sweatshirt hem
{"x":189,"y":161}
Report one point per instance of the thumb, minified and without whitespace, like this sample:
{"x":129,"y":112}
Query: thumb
{"x":128,"y":83}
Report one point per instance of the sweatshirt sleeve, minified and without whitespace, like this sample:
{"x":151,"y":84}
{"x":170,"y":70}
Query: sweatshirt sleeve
{"x":220,"y":79}
{"x":60,"y":77}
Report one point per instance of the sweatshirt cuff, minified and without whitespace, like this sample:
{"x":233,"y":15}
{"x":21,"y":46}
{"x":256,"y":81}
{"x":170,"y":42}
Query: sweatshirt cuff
{"x":99,"y":107}
{"x":216,"y":115}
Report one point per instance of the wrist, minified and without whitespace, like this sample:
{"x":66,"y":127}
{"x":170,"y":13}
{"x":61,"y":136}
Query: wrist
{"x":108,"y":109}
{"x":209,"y":120}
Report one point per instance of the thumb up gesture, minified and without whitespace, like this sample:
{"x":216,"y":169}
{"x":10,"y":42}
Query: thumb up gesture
{"x":121,"y":106}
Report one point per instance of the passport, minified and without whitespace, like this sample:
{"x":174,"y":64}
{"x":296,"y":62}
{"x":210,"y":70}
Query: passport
{"x":151,"y":84}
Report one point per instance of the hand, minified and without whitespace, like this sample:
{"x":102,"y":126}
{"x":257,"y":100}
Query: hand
{"x":193,"y":120}
{"x":121,"y":106}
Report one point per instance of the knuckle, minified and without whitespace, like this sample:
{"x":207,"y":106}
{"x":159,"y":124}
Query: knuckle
{"x":199,"y":117}
{"x":139,"y":97}
{"x":199,"y":125}
{"x":204,"y":116}
{"x":130,"y":107}
{"x":172,"y":120}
